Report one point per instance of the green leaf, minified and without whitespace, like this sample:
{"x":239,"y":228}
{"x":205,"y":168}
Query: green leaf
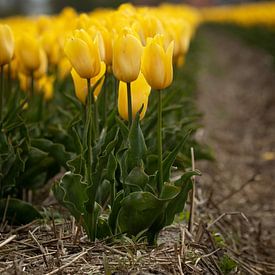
{"x":177,"y":204}
{"x":18,"y":211}
{"x":112,"y":221}
{"x":186,"y":176}
{"x":123,"y":128}
{"x":139,"y":211}
{"x":137,"y":179}
{"x":169,"y":160}
{"x":71,"y":193}
{"x":56,"y":150}
{"x":137,"y":146}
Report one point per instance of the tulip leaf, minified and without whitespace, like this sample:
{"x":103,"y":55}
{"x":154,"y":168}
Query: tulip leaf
{"x":137,"y":146}
{"x":169,"y":160}
{"x":55,"y":150}
{"x":123,"y":128}
{"x":71,"y":193}
{"x":112,"y":221}
{"x":186,"y":176}
{"x":138,"y":212}
{"x":18,"y":211}
{"x":137,"y":179}
{"x":177,"y":204}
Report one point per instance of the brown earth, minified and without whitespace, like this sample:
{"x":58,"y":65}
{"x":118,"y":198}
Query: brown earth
{"x":236,"y":93}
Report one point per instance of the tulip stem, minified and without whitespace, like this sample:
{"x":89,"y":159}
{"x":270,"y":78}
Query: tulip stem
{"x":88,"y":132}
{"x":129,"y":100}
{"x":159,"y":140}
{"x":94,"y":115}
{"x":105,"y":89}
{"x":32,"y":86}
{"x":1,"y":90}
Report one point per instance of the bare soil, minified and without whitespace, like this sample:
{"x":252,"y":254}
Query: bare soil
{"x":236,"y":93}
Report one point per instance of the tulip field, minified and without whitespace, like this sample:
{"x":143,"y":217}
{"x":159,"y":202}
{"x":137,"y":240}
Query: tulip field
{"x":113,"y":156}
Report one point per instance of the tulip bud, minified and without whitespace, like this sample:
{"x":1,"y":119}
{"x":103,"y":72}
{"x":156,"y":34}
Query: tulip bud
{"x":29,"y":54}
{"x":83,"y":54}
{"x":6,"y":44}
{"x":140,"y":91}
{"x":45,"y":85}
{"x":157,"y":63}
{"x":127,"y":50}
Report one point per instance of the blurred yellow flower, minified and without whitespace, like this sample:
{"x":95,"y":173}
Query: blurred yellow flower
{"x":140,"y":91}
{"x":30,"y":54}
{"x":6,"y":44}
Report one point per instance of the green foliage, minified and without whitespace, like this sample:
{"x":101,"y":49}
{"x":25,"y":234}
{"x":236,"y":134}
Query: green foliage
{"x":227,"y":264}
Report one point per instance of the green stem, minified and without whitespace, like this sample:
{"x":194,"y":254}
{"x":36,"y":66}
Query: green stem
{"x":159,"y":140}
{"x":116,"y":92}
{"x":87,"y":139}
{"x":1,"y":91}
{"x":129,"y":99}
{"x":105,"y":99}
{"x":32,"y":86}
{"x":94,"y":116}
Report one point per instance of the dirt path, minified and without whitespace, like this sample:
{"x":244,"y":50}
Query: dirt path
{"x":236,"y":92}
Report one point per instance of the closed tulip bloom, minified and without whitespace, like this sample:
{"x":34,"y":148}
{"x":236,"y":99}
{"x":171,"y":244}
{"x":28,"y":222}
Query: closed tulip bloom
{"x":64,"y":68}
{"x":140,"y":91}
{"x":42,"y":69}
{"x":127,"y":51}
{"x":28,"y":53}
{"x":80,"y":84}
{"x":6,"y":44}
{"x":83,"y":54}
{"x":157,"y":63}
{"x":45,"y":85}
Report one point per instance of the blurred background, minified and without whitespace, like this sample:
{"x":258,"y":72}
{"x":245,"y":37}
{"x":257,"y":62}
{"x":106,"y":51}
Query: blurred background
{"x":32,"y":7}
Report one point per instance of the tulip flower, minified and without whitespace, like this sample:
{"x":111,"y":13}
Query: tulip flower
{"x":28,"y":54}
{"x":140,"y":91}
{"x":157,"y":64}
{"x":6,"y":44}
{"x":158,"y":71}
{"x":83,"y":54}
{"x":6,"y":54}
{"x":127,"y":50}
{"x":45,"y":85}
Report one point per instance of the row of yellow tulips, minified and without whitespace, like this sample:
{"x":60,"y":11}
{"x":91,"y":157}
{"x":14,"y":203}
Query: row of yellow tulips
{"x":248,"y":14}
{"x":116,"y":41}
{"x":89,"y":45}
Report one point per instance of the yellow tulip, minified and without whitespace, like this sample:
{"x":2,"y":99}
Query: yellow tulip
{"x":108,"y":45}
{"x":6,"y":44}
{"x":28,"y":53}
{"x":42,"y":69}
{"x":45,"y":85}
{"x":140,"y":91}
{"x":64,"y":68}
{"x":127,"y":51}
{"x":51,"y":46}
{"x":157,"y":63}
{"x":83,"y":54}
{"x":80,"y":84}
